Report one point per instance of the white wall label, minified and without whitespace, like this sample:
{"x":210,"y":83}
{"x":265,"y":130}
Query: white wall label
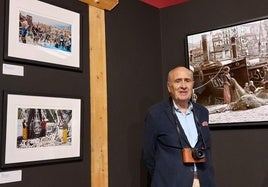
{"x":10,"y":176}
{"x":9,"y":69}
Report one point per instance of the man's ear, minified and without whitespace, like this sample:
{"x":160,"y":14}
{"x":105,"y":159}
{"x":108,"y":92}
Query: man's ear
{"x":168,"y":88}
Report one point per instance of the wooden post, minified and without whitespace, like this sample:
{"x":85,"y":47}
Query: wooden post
{"x":98,"y":98}
{"x":98,"y":91}
{"x":102,"y":4}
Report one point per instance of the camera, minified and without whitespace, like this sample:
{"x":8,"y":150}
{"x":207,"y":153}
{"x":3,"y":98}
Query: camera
{"x":193,"y":155}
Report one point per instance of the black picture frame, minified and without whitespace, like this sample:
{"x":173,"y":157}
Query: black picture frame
{"x":36,"y":36}
{"x":242,"y":49}
{"x":40,"y":129}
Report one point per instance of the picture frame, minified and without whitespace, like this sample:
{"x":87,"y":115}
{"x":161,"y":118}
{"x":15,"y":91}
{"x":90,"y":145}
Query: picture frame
{"x":226,"y":61}
{"x":40,"y":129}
{"x":36,"y":36}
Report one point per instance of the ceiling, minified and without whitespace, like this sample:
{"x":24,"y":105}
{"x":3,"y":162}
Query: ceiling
{"x":163,"y":3}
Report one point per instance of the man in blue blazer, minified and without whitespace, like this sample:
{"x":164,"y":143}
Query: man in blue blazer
{"x":172,"y":127}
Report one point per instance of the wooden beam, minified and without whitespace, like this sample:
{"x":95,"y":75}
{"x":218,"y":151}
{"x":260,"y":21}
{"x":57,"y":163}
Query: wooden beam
{"x":98,"y":98}
{"x":102,"y":4}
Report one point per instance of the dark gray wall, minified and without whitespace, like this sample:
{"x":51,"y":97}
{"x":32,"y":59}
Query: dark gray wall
{"x":134,"y":83}
{"x":239,"y":155}
{"x":143,"y":44}
{"x":58,"y":82}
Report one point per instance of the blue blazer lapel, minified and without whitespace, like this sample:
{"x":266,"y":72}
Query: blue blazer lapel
{"x":171,"y":116}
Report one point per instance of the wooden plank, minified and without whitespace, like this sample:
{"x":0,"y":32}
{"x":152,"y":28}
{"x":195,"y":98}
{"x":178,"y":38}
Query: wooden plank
{"x":102,"y":4}
{"x":98,"y":98}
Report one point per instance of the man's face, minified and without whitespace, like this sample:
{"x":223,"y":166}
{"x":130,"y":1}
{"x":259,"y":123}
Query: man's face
{"x":180,"y":84}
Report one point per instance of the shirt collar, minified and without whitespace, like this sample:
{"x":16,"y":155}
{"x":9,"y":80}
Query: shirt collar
{"x":190,"y":107}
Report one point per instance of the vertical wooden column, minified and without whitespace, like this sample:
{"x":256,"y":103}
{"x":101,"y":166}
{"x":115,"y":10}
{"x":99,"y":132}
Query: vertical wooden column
{"x":98,"y":98}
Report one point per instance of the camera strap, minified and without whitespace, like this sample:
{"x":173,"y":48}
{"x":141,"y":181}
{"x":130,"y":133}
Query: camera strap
{"x":177,"y":123}
{"x":176,"y":120}
{"x":198,"y":127}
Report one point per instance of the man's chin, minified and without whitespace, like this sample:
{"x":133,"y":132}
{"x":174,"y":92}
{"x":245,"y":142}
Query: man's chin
{"x":181,"y":99}
{"x":184,"y":97}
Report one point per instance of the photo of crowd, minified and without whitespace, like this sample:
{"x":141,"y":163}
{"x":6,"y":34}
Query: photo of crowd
{"x":44,"y":32}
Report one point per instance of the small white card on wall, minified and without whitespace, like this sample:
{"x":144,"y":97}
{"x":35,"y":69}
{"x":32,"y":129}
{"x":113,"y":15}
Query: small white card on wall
{"x":9,"y":69}
{"x":10,"y":176}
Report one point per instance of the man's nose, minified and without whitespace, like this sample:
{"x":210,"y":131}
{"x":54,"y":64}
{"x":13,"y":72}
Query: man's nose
{"x":183,"y":83}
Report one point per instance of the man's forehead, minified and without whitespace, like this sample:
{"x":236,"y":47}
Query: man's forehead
{"x":181,"y":74}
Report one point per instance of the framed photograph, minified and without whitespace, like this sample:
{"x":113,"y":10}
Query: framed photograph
{"x":43,"y":34}
{"x":40,"y":129}
{"x":230,"y":67}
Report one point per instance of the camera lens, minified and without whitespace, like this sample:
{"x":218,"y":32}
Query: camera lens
{"x":198,"y":154}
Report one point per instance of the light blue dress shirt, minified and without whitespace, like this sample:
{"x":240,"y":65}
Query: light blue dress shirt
{"x":188,"y":124}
